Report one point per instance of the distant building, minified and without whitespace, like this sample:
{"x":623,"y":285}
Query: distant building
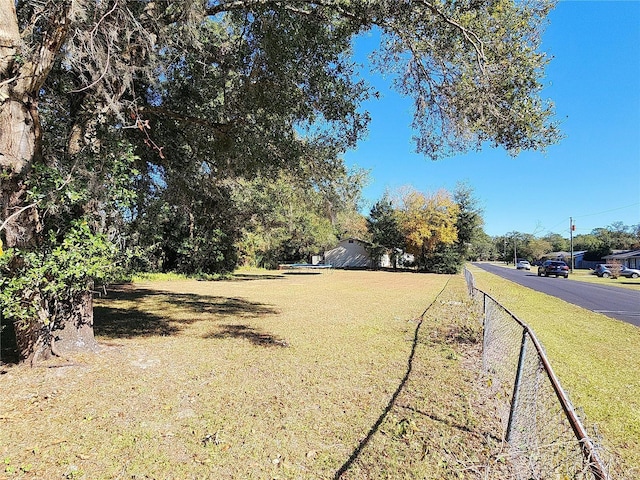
{"x":628,"y":258}
{"x":578,"y":258}
{"x":350,"y":253}
{"x":354,"y":253}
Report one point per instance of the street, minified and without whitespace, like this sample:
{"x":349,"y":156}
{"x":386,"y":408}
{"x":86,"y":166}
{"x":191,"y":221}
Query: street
{"x":620,"y":303}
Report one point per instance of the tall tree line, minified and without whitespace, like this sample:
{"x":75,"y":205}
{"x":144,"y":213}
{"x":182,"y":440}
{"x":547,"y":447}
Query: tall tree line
{"x":598,"y":243}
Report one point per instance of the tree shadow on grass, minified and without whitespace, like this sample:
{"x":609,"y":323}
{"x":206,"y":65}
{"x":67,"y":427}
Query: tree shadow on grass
{"x":113,"y":321}
{"x":376,"y":426}
{"x":303,"y":273}
{"x":244,"y":277}
{"x":128,"y":323}
{"x":248,"y":333}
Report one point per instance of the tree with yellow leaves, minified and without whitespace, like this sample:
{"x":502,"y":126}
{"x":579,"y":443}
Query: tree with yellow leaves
{"x":427,"y":222}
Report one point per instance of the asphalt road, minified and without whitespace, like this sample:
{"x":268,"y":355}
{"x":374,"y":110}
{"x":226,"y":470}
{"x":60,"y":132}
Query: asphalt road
{"x":620,"y":303}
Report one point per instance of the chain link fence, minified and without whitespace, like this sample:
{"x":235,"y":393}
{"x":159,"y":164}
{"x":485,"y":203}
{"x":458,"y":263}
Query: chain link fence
{"x":545,"y":436}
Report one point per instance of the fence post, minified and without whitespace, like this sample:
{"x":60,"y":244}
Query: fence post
{"x":485,"y":330}
{"x":484,"y":303}
{"x":516,"y":386}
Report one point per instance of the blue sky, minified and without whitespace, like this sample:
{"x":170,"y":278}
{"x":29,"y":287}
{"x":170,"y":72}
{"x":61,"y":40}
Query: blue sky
{"x":592,"y":175}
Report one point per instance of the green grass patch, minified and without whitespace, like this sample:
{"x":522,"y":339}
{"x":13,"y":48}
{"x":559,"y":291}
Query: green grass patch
{"x":159,"y":277}
{"x":595,"y":357}
{"x":153,"y":277}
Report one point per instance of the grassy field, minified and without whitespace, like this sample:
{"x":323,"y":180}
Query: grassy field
{"x":595,"y":357}
{"x":268,"y":375}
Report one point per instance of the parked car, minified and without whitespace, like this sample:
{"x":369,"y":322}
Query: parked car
{"x":606,"y":270}
{"x":603,"y":270}
{"x":629,"y":272}
{"x":553,"y":267}
{"x":523,"y":265}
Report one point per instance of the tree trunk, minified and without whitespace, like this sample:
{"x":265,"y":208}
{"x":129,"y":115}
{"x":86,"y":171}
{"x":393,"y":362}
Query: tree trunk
{"x":32,"y":336}
{"x":19,"y":132}
{"x":60,"y":326}
{"x":72,"y":330}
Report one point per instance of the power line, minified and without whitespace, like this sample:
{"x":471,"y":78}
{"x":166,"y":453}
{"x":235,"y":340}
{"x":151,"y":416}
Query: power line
{"x":564,"y":220}
{"x":608,"y":211}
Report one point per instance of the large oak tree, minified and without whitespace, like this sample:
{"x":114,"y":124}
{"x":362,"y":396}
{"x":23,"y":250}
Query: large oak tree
{"x":227,"y":88}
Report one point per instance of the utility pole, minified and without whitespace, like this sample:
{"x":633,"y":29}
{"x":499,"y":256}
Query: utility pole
{"x":504,"y":250}
{"x":515,"y":256}
{"x":572,"y":227}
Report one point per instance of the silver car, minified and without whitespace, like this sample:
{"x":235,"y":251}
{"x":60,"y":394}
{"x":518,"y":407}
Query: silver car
{"x":523,"y":265}
{"x":606,"y":271}
{"x":629,"y":272}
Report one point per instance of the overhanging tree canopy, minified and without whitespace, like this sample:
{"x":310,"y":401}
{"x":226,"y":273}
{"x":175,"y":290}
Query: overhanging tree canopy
{"x":234,"y":87}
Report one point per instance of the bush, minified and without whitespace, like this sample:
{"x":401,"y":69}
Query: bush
{"x":445,"y":260}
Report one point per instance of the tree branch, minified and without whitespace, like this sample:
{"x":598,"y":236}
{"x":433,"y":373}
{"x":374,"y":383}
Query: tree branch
{"x":234,"y":5}
{"x":469,"y":35}
{"x":107,"y":64}
{"x":10,"y":217}
{"x":221,"y":127}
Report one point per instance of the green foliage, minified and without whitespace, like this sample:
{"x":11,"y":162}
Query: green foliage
{"x":482,"y":248}
{"x":557,"y":243}
{"x":31,"y":280}
{"x":177,"y":232}
{"x":384,"y":230}
{"x":383,"y":225}
{"x":203,"y":93}
{"x":537,"y":248}
{"x":445,"y":259}
{"x":208,"y":251}
{"x":285,"y":220}
{"x":469,"y":223}
{"x":474,"y":70}
{"x":442,"y":231}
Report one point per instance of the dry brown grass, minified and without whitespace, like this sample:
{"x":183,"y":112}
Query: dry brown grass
{"x":265,"y":376}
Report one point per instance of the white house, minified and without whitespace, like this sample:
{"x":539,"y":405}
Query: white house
{"x":350,"y":253}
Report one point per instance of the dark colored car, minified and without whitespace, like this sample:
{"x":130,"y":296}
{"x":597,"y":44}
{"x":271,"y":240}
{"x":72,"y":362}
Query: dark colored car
{"x":553,"y":267}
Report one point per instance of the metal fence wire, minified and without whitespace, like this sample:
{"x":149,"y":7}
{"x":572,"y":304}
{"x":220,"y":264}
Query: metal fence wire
{"x":546,"y":439}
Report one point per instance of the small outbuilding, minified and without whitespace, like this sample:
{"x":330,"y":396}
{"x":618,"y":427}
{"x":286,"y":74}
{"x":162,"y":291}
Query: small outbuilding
{"x":349,"y":253}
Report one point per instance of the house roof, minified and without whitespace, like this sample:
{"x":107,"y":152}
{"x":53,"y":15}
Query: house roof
{"x":623,"y":255}
{"x":354,"y":239}
{"x":565,"y":254}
